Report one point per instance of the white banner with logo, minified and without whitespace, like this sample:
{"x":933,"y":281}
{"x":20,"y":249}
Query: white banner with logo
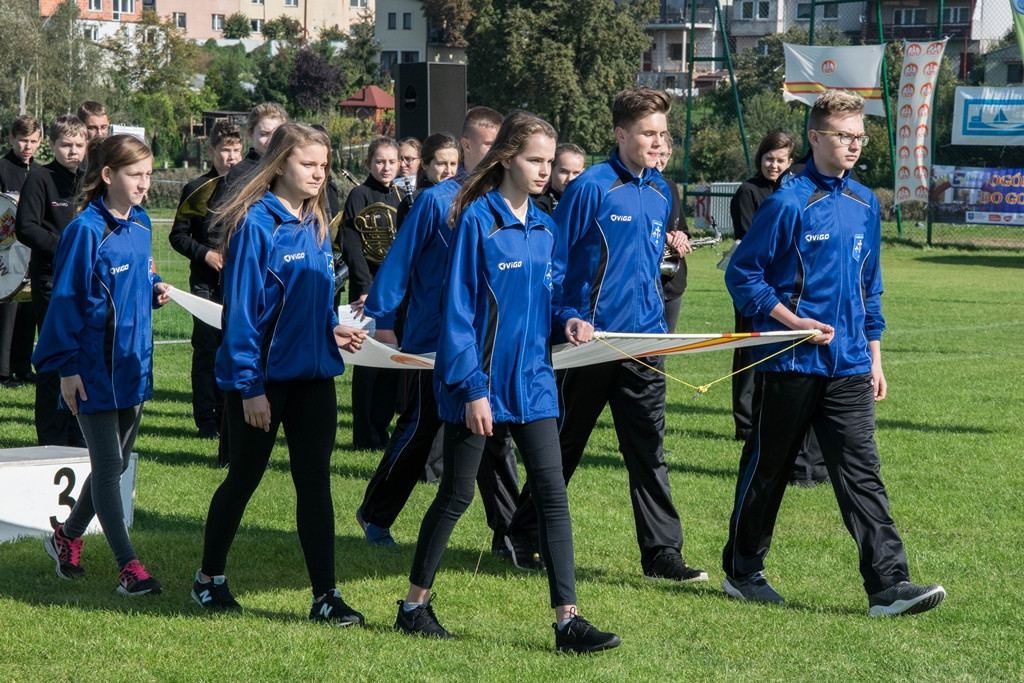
{"x":813,"y":69}
{"x":988,"y":116}
{"x":914,"y":119}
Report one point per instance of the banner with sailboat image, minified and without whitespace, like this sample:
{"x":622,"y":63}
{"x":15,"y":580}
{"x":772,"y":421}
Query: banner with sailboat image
{"x":988,"y":116}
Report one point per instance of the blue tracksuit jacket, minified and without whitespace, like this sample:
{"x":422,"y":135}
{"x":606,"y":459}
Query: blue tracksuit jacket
{"x":415,"y":264}
{"x":100,"y":320}
{"x":279,"y":319}
{"x":813,"y":247}
{"x":612,"y":237}
{"x":496,"y":315}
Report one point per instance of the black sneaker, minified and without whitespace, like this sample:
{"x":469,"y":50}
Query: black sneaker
{"x":66,"y":553}
{"x":420,"y":621}
{"x":670,"y":566}
{"x":134,"y":580}
{"x":905,"y":598}
{"x":524,"y":553}
{"x":579,"y":635}
{"x":214,"y":595}
{"x":753,"y":587}
{"x":331,"y":609}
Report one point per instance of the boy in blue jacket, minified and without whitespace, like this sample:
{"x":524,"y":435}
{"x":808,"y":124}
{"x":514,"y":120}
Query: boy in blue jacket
{"x":810,"y":262}
{"x":612,"y":224}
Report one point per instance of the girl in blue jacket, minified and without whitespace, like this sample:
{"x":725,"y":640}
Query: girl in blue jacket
{"x":98,"y":335}
{"x":278,"y":360}
{"x":493,"y":365}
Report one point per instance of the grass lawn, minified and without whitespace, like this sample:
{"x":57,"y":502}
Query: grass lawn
{"x":950,"y":437}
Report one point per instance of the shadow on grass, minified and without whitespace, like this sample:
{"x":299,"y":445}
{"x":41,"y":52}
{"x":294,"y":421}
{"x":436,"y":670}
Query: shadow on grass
{"x":261,"y":560}
{"x":615,"y":461}
{"x":987,"y":260}
{"x":883,"y":423}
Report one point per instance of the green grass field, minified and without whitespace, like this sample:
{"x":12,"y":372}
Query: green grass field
{"x":950,"y":437}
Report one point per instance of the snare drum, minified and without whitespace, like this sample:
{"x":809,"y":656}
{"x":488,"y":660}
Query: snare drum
{"x":14,"y":256}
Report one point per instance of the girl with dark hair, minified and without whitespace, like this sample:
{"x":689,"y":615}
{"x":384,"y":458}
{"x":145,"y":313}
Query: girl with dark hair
{"x":493,"y":366}
{"x":98,"y":334}
{"x":278,"y":361}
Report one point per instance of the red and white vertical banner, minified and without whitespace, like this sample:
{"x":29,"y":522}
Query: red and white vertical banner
{"x":914,"y":118}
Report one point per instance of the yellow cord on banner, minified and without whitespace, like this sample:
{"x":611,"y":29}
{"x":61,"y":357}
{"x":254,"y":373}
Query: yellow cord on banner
{"x":704,"y":387}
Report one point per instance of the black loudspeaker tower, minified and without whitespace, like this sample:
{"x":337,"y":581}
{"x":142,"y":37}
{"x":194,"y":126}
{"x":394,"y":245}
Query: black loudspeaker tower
{"x":430,"y":97}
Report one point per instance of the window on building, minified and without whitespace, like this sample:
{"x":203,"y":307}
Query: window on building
{"x":410,"y":56}
{"x":675,"y":52}
{"x":907,"y":16}
{"x":255,"y":2}
{"x":256,"y":25}
{"x":95,"y":5}
{"x":392,"y":21}
{"x":755,"y":9}
{"x":407,"y":21}
{"x":218,"y":22}
{"x":90,"y":33}
{"x":179,"y":20}
{"x":291,"y":3}
{"x":361,"y":4}
{"x":761,"y":47}
{"x":830,"y":11}
{"x":123,"y":7}
{"x":956,"y":15}
{"x":1014,"y":73}
{"x":803,"y":11}
{"x":388,"y":59}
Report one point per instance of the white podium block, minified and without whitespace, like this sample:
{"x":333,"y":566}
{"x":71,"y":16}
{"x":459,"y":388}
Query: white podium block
{"x":39,"y":486}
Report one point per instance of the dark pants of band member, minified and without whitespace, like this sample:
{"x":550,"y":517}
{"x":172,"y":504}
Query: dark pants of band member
{"x":207,"y":400}
{"x":55,"y":426}
{"x":463,"y":450}
{"x":636,"y":395}
{"x":374,"y":391}
{"x":842,"y":412}
{"x":111,"y":436}
{"x":408,"y":450}
{"x":308,"y":411}
{"x":17,"y":334}
{"x":809,"y":464}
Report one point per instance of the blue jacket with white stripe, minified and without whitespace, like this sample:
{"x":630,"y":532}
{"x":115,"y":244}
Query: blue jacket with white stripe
{"x":611,"y":241}
{"x":99,"y":323}
{"x":278,"y":319}
{"x":496,"y":315}
{"x":813,"y":247}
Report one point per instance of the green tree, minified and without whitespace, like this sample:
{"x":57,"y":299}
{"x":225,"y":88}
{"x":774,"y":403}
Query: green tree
{"x":361,"y":59}
{"x":228,"y":69}
{"x":74,"y":76}
{"x":20,"y":50}
{"x":151,"y":85}
{"x":564,"y":60}
{"x":237,"y":26}
{"x":314,"y":83}
{"x":282,"y":28}
{"x":450,"y":18}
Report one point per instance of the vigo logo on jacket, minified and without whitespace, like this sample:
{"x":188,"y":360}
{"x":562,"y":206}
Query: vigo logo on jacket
{"x":509,"y":265}
{"x":288,"y":258}
{"x":119,"y":269}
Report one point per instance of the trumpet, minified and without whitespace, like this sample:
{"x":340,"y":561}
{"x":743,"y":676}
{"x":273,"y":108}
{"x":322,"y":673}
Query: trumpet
{"x":670,"y":260}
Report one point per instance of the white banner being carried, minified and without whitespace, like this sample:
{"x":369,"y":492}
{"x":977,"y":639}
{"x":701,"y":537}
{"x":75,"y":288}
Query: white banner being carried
{"x":813,"y":69}
{"x":988,"y":116}
{"x":914,"y":119}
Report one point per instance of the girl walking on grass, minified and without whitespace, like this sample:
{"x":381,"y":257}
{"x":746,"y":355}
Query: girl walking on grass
{"x":493,"y":366}
{"x":98,"y":335}
{"x":278,"y":360}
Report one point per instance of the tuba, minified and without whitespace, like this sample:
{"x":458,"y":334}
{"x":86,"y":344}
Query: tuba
{"x":376,"y":227}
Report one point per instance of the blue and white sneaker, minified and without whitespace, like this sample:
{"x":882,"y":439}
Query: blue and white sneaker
{"x":375,"y":535}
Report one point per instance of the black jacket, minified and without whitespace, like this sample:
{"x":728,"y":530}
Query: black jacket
{"x":12,"y":172}
{"x":46,"y":206}
{"x":676,"y":285}
{"x":362,"y":196}
{"x":191,"y":238}
{"x":748,"y":197}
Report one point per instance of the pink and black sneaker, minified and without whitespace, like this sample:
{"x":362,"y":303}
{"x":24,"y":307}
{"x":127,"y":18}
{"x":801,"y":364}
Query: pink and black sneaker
{"x":66,"y":553}
{"x":135,"y":580}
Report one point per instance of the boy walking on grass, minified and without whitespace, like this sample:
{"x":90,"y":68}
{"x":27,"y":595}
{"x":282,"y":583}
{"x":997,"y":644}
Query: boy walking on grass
{"x":810,"y":262}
